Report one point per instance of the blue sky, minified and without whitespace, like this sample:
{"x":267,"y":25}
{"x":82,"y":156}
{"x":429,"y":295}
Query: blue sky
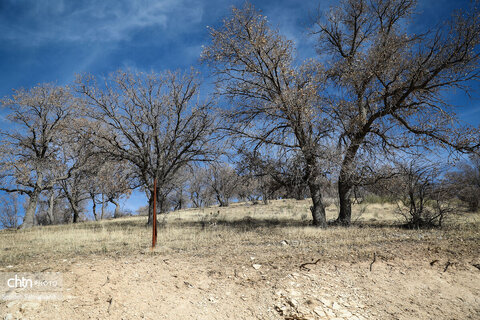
{"x":52,"y":40}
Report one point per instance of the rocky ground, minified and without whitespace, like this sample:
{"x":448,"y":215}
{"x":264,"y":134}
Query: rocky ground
{"x":251,"y":262}
{"x":159,"y":286}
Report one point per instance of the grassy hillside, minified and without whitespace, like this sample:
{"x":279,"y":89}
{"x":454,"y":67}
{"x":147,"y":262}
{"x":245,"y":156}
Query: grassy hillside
{"x":238,"y":226}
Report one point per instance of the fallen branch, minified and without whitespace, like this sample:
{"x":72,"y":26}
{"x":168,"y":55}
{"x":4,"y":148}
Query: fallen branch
{"x":374,"y":259}
{"x":109,"y":300}
{"x":303,"y":265}
{"x":433,"y":262}
{"x":477,"y":265}
{"x":446,"y":266}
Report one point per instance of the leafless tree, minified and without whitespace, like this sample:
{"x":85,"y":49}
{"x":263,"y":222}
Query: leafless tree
{"x":10,"y":211}
{"x":177,"y":198}
{"x":224,"y":182}
{"x":114,"y":181}
{"x":390,"y":82}
{"x":29,"y":151}
{"x":273,"y":102}
{"x":78,"y":151}
{"x":153,"y":121}
{"x":423,"y":199}
{"x":465,"y":180}
{"x":198,"y":188}
{"x":272,"y":175}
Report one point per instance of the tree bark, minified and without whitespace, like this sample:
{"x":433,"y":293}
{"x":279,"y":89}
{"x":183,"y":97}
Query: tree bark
{"x":345,"y":183}
{"x":76,"y":213}
{"x":317,"y":208}
{"x":51,"y":204}
{"x":313,"y":181}
{"x":150,"y":210}
{"x":103,"y":206}
{"x":94,"y":207}
{"x":345,"y":214}
{"x":116,"y":214}
{"x":29,"y":219}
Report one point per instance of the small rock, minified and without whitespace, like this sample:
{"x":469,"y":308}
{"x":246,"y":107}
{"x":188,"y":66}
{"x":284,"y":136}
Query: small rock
{"x":8,"y":316}
{"x":256,"y":266}
{"x":29,"y":305}
{"x":330,"y":313}
{"x":325,"y":302}
{"x":11,"y":304}
{"x":319,"y":312}
{"x":212,"y":300}
{"x":293,"y":302}
{"x":345,"y":314}
{"x":284,"y":243}
{"x":336,"y":306}
{"x":294,"y":293}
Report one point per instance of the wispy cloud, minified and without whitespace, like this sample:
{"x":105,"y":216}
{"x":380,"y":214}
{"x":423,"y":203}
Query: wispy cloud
{"x":40,"y":22}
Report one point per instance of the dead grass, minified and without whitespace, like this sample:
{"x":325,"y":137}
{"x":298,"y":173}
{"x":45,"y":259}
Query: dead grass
{"x":280,"y":230}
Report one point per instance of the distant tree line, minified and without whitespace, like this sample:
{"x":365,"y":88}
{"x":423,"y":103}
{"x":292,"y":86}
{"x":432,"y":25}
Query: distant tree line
{"x":329,"y":127}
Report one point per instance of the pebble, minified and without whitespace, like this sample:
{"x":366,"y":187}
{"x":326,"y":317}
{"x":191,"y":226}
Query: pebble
{"x":319,"y":311}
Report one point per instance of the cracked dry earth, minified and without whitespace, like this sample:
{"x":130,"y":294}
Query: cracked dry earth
{"x":179,"y":286}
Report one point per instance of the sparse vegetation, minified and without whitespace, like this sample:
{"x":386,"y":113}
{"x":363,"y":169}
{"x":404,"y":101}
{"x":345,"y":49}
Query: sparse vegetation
{"x":206,"y":228}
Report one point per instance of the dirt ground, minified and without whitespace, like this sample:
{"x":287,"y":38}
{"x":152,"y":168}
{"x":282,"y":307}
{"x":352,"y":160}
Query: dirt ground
{"x":159,"y":286}
{"x":247,"y":269}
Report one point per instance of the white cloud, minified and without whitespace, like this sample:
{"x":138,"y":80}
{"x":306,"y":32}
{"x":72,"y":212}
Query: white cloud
{"x":97,"y":21}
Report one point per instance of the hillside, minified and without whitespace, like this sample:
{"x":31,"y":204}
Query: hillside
{"x":251,"y":262}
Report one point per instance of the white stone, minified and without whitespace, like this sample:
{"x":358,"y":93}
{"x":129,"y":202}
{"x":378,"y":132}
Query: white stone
{"x":319,"y":311}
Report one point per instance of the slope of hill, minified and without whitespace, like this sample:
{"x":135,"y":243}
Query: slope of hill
{"x":251,"y":262}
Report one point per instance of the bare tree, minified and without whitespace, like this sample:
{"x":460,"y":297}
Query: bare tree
{"x":29,"y":151}
{"x":114,"y":182}
{"x":390,"y":82}
{"x":273,"y":101}
{"x":10,"y":211}
{"x":422,"y":199}
{"x":78,"y":151}
{"x":224,"y":182}
{"x":465,"y":180}
{"x":155,"y":122}
{"x":177,"y":198}
{"x":198,"y":188}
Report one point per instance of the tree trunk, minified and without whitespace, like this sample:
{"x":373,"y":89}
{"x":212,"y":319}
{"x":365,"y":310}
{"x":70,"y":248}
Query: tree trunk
{"x":317,"y":209}
{"x":51,"y":204}
{"x":76,"y":213}
{"x":94,"y":208}
{"x":103,"y":207}
{"x":345,"y":214}
{"x":313,"y":181}
{"x":345,"y":184}
{"x":150,"y":210}
{"x":29,"y":219}
{"x":116,"y":214}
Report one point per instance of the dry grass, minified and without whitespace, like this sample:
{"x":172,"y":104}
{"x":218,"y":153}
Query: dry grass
{"x":240,"y":231}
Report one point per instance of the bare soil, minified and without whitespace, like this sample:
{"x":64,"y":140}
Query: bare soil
{"x":265,"y":273}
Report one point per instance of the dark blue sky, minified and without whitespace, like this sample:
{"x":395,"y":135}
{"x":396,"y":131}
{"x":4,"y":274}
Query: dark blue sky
{"x":52,"y":40}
